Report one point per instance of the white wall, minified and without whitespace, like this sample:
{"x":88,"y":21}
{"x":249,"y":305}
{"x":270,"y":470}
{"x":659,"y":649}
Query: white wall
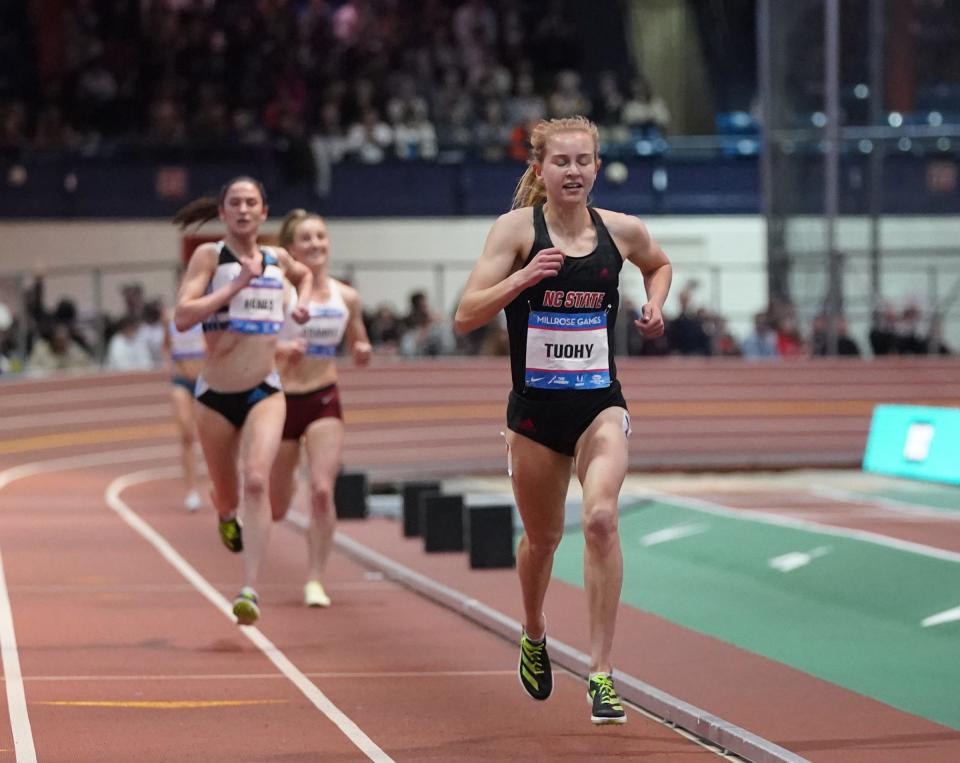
{"x":390,"y":258}
{"x":387,"y":258}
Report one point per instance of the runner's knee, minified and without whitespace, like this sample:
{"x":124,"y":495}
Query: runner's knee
{"x":600,"y":525}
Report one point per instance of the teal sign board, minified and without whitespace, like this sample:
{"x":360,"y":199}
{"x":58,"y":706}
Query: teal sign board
{"x":914,"y":441}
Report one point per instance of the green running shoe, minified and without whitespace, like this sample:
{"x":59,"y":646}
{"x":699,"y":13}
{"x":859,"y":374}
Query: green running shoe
{"x":245,"y":607}
{"x":603,"y":697}
{"x":536,"y":677}
{"x":231,"y":533}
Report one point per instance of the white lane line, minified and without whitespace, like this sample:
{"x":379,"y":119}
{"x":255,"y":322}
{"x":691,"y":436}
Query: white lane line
{"x":676,"y":532}
{"x":103,"y":458}
{"x":947,"y":616}
{"x":16,"y":699}
{"x":891,"y":504}
{"x":13,"y":680}
{"x":277,"y":657}
{"x":129,"y":414}
{"x":794,"y":560}
{"x":380,"y":674}
{"x":762,"y":517}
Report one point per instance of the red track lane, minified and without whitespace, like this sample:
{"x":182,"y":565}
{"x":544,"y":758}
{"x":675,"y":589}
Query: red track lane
{"x":97,"y":609}
{"x":100,"y":617}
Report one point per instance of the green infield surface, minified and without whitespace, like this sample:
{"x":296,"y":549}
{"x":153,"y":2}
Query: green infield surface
{"x":879,"y":617}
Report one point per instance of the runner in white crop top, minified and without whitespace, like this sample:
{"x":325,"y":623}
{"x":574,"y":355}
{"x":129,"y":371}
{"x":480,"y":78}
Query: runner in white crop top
{"x":235,"y":288}
{"x":308,"y":367}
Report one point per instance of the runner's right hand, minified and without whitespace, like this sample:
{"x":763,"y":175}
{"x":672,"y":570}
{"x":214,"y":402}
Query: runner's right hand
{"x":545,"y":264}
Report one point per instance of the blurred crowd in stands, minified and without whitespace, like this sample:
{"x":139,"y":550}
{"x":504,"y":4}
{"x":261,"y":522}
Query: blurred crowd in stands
{"x":327,"y":80}
{"x":55,"y":338}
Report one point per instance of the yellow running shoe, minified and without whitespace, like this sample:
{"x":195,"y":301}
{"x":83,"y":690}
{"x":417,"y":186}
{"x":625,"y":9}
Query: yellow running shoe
{"x":245,"y":606}
{"x":533,"y":669}
{"x":314,"y":595}
{"x":605,"y":704}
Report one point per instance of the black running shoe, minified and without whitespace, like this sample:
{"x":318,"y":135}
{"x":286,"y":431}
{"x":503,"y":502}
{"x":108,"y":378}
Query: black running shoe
{"x":231,"y":534}
{"x":606,"y":703}
{"x":534,"y":668}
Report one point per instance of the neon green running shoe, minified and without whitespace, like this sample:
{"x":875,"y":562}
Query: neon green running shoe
{"x":603,"y":697}
{"x":231,"y":533}
{"x":245,"y":607}
{"x":534,"y":671}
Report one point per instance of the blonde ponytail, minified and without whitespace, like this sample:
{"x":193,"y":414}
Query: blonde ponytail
{"x":530,"y":191}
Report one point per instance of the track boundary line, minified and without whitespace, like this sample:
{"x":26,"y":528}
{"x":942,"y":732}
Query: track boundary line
{"x":23,"y":745}
{"x":795,"y":523}
{"x":264,"y":644}
{"x":890,"y":504}
{"x":671,"y":709}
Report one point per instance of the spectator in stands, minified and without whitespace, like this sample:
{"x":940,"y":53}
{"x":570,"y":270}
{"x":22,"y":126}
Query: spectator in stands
{"x":909,"y":339}
{"x":935,"y":343}
{"x":414,"y":135}
{"x":384,"y":327}
{"x":425,"y":331}
{"x":526,"y":106}
{"x":567,"y":97}
{"x":369,"y":139}
{"x":686,"y":334}
{"x":790,"y":342}
{"x":643,"y":111}
{"x":610,"y":100}
{"x":883,"y":331}
{"x":762,"y":342}
{"x":58,"y":352}
{"x":820,"y":340}
{"x":153,"y":331}
{"x":492,"y":133}
{"x":7,"y":341}
{"x":128,"y":349}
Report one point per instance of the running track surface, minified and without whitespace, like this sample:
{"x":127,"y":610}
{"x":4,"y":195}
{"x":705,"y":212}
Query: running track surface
{"x":122,"y":655}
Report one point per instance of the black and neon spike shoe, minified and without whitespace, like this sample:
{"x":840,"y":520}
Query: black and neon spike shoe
{"x":231,"y":534}
{"x":536,"y":677}
{"x":606,"y":706}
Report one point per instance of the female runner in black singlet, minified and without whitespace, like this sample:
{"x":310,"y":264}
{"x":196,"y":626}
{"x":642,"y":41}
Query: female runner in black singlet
{"x":553,"y":264}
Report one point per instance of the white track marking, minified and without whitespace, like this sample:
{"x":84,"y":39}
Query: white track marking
{"x":412,"y":675}
{"x":947,"y":616}
{"x":762,"y":517}
{"x":16,"y":700}
{"x":797,"y":559}
{"x":104,"y":458}
{"x":13,"y":680}
{"x":891,"y":504}
{"x":675,"y":532}
{"x":277,"y":657}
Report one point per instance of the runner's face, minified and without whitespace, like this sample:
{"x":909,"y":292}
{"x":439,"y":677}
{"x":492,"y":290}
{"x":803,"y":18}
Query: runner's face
{"x":243,"y":210}
{"x":310,"y":243}
{"x":569,"y":167}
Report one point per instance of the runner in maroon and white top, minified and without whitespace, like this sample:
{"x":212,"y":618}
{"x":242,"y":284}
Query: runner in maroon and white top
{"x":307,"y":360}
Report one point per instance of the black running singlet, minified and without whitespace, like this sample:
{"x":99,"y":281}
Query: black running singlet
{"x":561,"y":330}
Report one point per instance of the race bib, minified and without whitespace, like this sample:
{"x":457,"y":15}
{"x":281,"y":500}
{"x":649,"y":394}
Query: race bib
{"x":324,"y":330}
{"x":567,"y":351}
{"x":258,"y":307}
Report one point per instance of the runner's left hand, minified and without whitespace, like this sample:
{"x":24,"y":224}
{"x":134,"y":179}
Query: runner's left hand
{"x":651,"y":321}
